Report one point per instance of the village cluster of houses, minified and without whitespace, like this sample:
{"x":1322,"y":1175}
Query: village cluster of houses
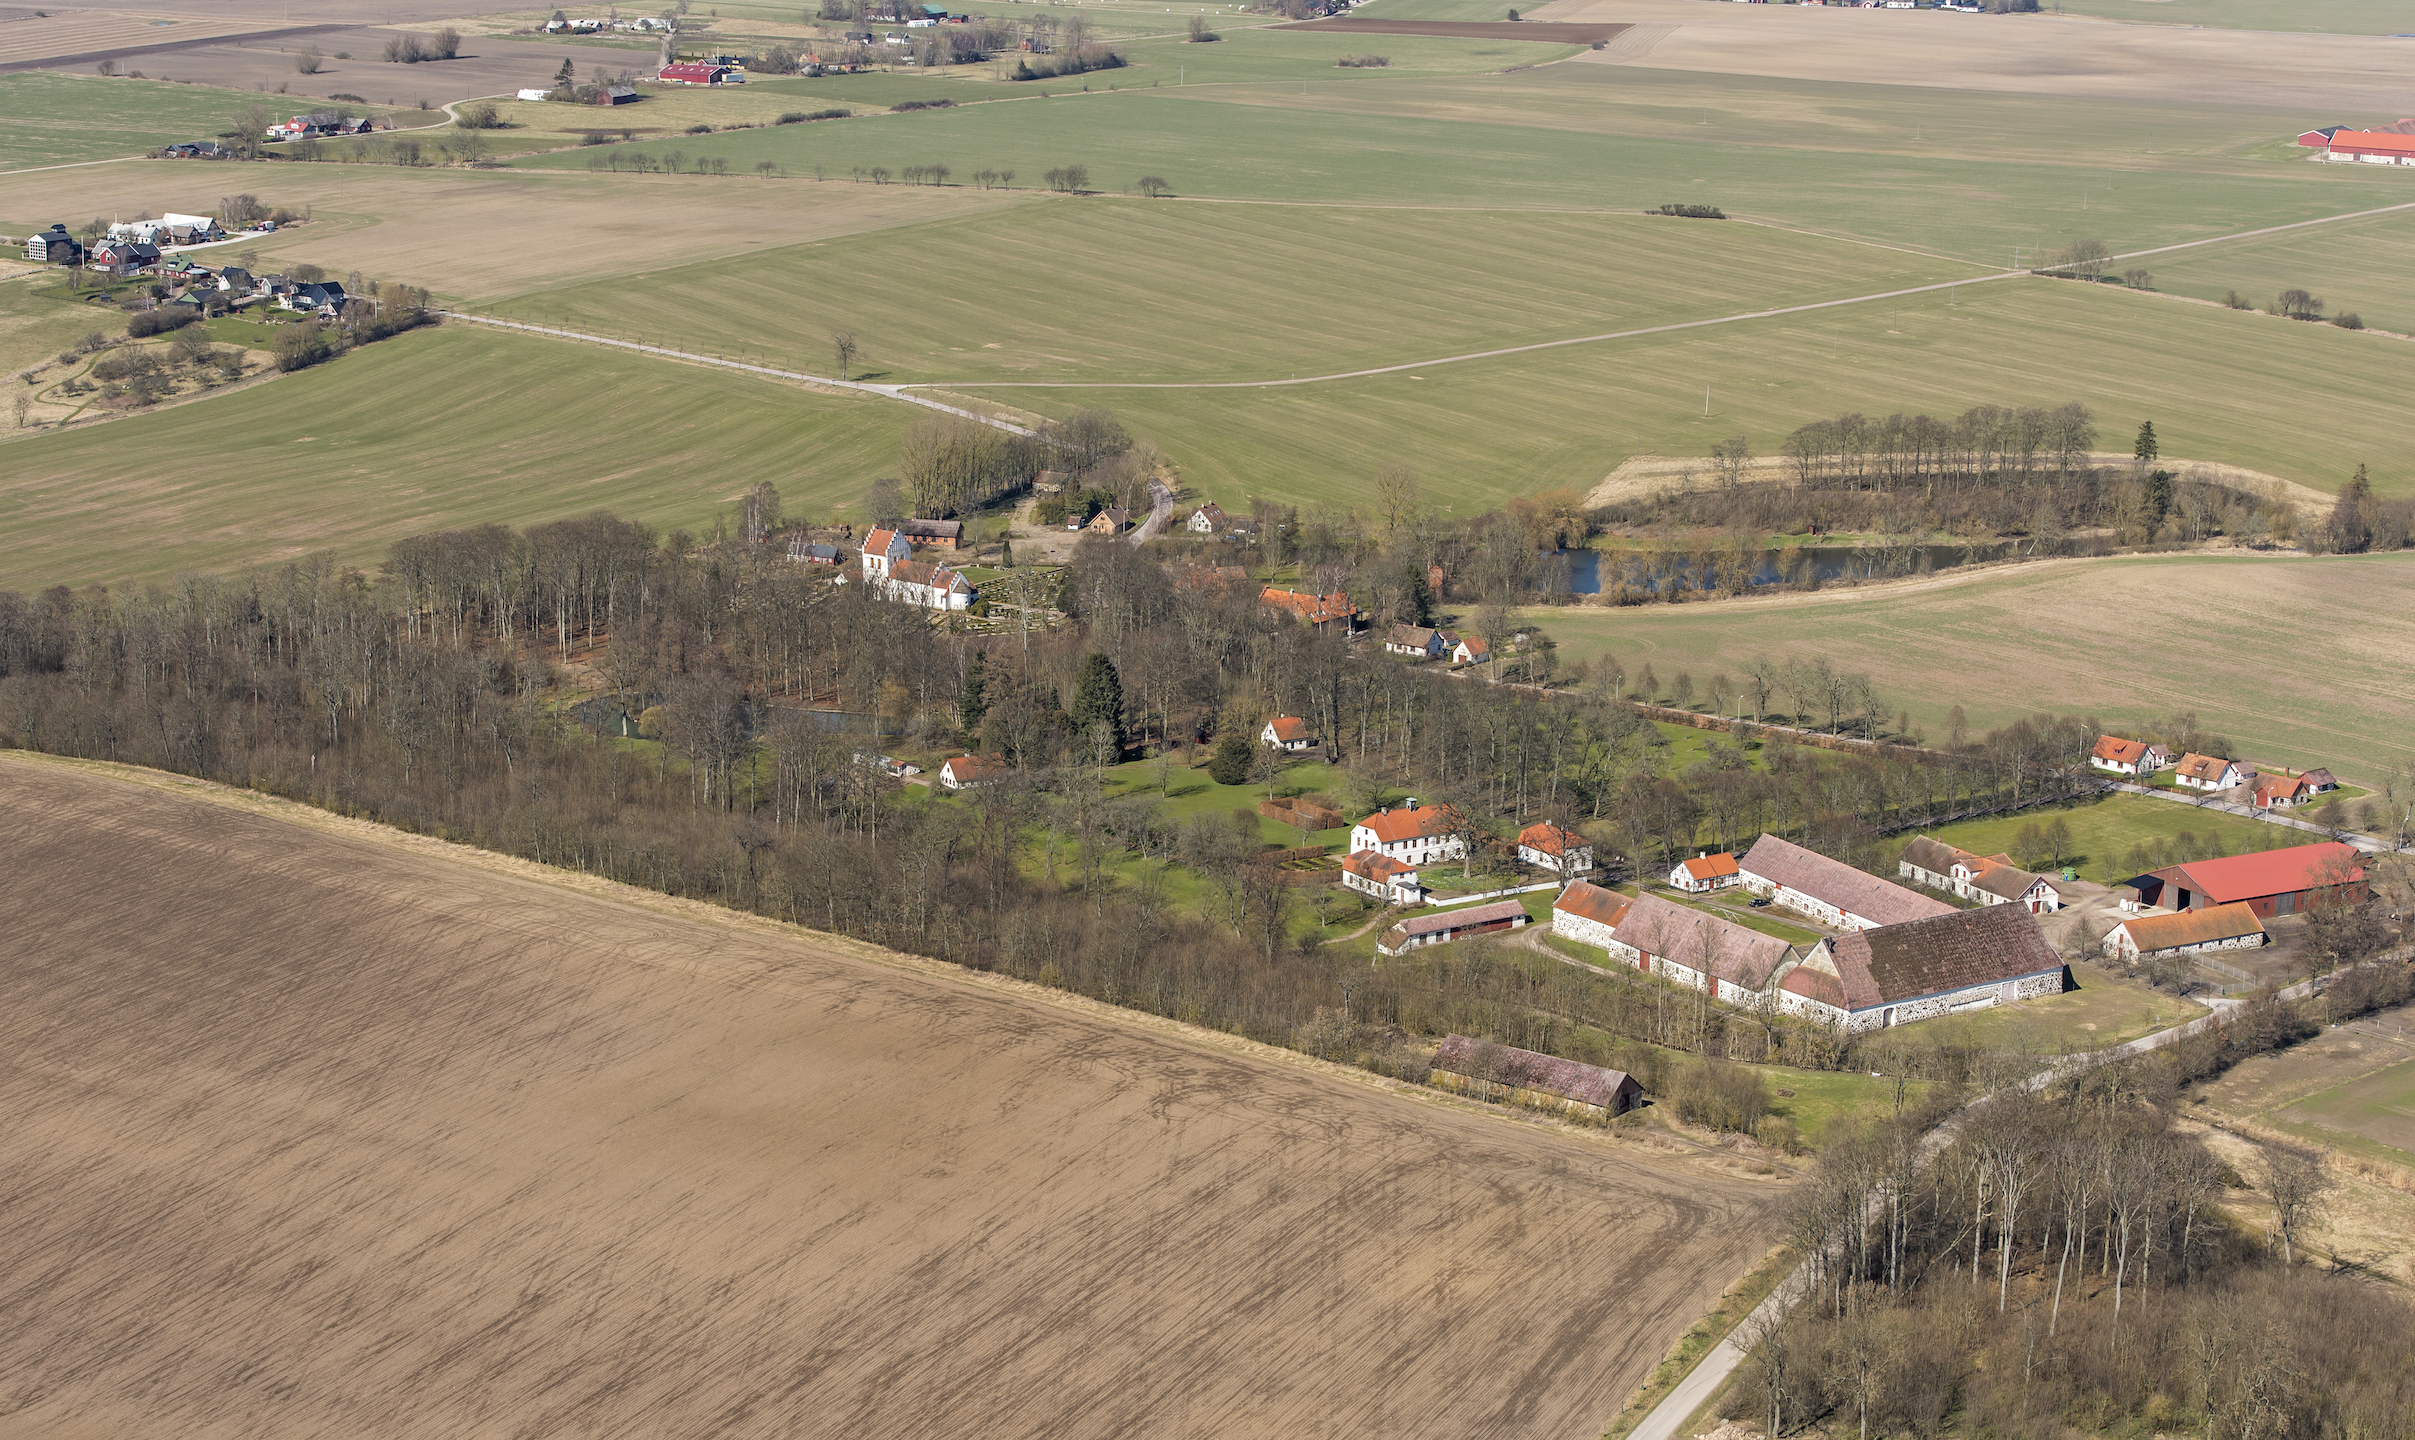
{"x":321,"y":124}
{"x":122,"y":254}
{"x":2235,"y":781}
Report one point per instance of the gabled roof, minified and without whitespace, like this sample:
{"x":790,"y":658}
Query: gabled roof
{"x":2114,"y":750}
{"x":2009,"y":881}
{"x":1313,"y":609}
{"x":1526,"y":1070}
{"x":1702,"y":942}
{"x":2193,"y":927}
{"x":1477,"y":646}
{"x":1411,"y":822}
{"x":1834,"y":882}
{"x":2379,"y":141}
{"x":878,"y":541}
{"x":934,"y":529}
{"x":1953,"y":951}
{"x":1416,"y":635}
{"x":973,"y":769}
{"x":2267,"y":872}
{"x":1551,"y":839}
{"x":917,"y":572}
{"x":1591,"y":902}
{"x":1376,"y":865}
{"x":1460,"y":919}
{"x":2270,"y":788}
{"x":1711,"y":867}
{"x":2194,"y":766}
{"x":1288,"y":728}
{"x":1814,"y":985}
{"x":1211,"y":510}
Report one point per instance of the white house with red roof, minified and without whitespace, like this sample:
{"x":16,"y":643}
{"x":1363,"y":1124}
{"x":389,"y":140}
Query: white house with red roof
{"x":932,"y":587}
{"x":1417,"y":834}
{"x":1287,"y":735}
{"x":1394,"y":882}
{"x":884,"y":548}
{"x":1705,"y":872}
{"x":1551,"y":847}
{"x":966,"y":771}
{"x":2129,"y":757}
{"x":2211,"y":772}
{"x":1470,"y":649}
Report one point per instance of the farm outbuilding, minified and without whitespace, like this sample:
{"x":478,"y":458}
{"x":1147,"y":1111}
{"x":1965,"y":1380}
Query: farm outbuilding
{"x":1689,"y":947}
{"x":1533,"y":1079}
{"x":695,"y":73}
{"x":2369,"y":147}
{"x":1705,"y":872}
{"x":1961,"y":960}
{"x":1589,"y":914}
{"x":1452,"y":925}
{"x":1830,"y":891}
{"x":2271,"y":882}
{"x":2221,"y":927}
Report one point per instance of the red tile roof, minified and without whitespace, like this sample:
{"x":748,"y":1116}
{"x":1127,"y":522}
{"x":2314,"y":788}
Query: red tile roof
{"x":2207,"y":768}
{"x":1310,"y":609}
{"x":1376,"y":865}
{"x":1291,"y":727}
{"x":1393,"y":826}
{"x":877,"y":542}
{"x":974,"y":769}
{"x":2114,"y":750}
{"x":1711,"y":867}
{"x":2193,"y":927}
{"x":2373,"y":142}
{"x":2267,"y":872}
{"x":1592,"y":902}
{"x":1551,"y":839}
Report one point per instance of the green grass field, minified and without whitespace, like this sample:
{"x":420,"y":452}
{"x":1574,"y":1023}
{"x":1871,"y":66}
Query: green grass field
{"x":2219,"y":385}
{"x":1397,"y":285}
{"x":2365,"y":266}
{"x":1243,"y":142}
{"x":425,"y":431}
{"x":2372,"y":1115}
{"x":2104,"y":1010}
{"x":47,"y":118}
{"x":2205,"y":627}
{"x":2104,"y":828}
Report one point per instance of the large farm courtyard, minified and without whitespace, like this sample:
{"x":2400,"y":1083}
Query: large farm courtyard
{"x":319,"y":1130}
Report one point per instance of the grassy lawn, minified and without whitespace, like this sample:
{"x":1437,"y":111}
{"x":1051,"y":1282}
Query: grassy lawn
{"x":1417,"y":284}
{"x":1192,"y":792}
{"x":2371,"y":1115}
{"x":2104,"y":1010}
{"x":406,"y":436}
{"x":1931,"y":648}
{"x":49,"y":118}
{"x":1737,"y":912}
{"x":2104,"y":829}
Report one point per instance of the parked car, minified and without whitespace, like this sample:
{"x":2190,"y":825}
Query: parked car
{"x":1759,"y":901}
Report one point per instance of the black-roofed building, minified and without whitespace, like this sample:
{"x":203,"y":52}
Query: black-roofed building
{"x":54,"y":247}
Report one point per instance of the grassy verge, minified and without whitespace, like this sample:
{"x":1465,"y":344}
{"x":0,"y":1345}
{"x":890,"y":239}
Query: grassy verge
{"x":1735,"y":1302}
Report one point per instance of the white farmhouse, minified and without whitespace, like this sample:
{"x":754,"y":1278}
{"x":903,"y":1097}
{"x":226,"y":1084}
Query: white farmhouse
{"x":1549,"y":847}
{"x":2217,"y":927}
{"x":1588,"y":914}
{"x":1420,"y":835}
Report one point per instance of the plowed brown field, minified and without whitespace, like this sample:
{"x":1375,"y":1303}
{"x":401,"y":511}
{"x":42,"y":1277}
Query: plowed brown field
{"x":312,"y":1129}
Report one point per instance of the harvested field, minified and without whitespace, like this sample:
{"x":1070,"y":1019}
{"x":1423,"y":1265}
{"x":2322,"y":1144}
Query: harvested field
{"x":406,"y":1141}
{"x":403,"y":224}
{"x":2071,"y":56}
{"x":1465,"y":30}
{"x":75,"y":36}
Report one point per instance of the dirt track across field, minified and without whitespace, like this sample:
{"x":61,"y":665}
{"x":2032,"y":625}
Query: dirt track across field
{"x":1541,"y":33}
{"x":314,"y":1129}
